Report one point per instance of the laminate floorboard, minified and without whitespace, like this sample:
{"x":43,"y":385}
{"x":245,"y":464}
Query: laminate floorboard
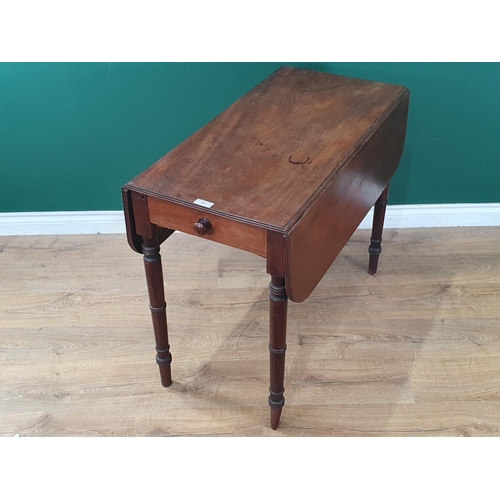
{"x":412,"y":351}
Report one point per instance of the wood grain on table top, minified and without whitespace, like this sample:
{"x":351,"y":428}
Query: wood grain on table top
{"x":265,"y":156}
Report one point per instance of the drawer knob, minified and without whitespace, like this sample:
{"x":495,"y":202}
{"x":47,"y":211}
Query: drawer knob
{"x":202,"y":226}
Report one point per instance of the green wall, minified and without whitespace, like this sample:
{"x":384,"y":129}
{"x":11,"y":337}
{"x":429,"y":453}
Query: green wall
{"x":71,"y":134}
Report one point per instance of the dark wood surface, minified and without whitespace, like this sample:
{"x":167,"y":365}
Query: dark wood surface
{"x":138,"y":209}
{"x":375,"y":247}
{"x":227,"y":231}
{"x":263,"y":158}
{"x":277,"y":347}
{"x":303,"y":156}
{"x":157,"y":306}
{"x":315,"y":240}
{"x":288,"y":172}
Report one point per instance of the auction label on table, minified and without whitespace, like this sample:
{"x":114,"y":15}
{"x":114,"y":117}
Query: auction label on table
{"x":203,"y":203}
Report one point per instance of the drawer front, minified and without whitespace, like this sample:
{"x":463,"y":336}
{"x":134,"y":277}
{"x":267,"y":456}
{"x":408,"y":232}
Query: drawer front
{"x":227,"y":231}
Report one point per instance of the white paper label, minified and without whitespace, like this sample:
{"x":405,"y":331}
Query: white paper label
{"x":203,"y":203}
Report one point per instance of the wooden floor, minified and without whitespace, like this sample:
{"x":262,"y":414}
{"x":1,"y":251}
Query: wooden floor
{"x":413,"y":351}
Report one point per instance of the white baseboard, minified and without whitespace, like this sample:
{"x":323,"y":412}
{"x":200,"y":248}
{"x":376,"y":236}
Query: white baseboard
{"x":111,"y":221}
{"x":33,"y":223}
{"x":441,"y":215}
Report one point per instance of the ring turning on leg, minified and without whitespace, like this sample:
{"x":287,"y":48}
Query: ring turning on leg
{"x":277,"y":347}
{"x":158,"y":307}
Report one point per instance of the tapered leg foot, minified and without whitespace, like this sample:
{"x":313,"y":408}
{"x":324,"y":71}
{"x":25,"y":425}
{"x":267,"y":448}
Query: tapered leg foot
{"x":158,"y":307}
{"x":275,"y":418}
{"x":277,"y":347}
{"x":375,"y":247}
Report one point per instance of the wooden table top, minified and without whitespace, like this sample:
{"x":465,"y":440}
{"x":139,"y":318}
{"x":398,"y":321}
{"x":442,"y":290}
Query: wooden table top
{"x":264,"y":159}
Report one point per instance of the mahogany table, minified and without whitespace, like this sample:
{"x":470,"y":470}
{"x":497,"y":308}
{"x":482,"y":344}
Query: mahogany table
{"x":287,"y":172}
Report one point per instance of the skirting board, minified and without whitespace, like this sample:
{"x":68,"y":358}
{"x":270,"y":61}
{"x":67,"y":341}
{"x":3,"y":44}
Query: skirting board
{"x":109,"y":222}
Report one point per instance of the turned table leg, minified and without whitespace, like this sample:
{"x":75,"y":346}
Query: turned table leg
{"x":377,"y":228}
{"x":158,"y":306}
{"x":277,"y":347}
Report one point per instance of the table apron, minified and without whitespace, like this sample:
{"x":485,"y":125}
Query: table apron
{"x":236,"y":234}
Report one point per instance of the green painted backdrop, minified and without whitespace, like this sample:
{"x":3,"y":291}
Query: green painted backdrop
{"x":71,"y":134}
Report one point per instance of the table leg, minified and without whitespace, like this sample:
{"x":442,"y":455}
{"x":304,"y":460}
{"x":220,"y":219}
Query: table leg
{"x":277,"y":347}
{"x":377,"y":228}
{"x":158,"y":306}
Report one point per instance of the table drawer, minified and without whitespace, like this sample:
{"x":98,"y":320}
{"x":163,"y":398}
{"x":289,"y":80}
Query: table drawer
{"x":222,"y":230}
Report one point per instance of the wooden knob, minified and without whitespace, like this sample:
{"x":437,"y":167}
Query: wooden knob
{"x":202,"y":226}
